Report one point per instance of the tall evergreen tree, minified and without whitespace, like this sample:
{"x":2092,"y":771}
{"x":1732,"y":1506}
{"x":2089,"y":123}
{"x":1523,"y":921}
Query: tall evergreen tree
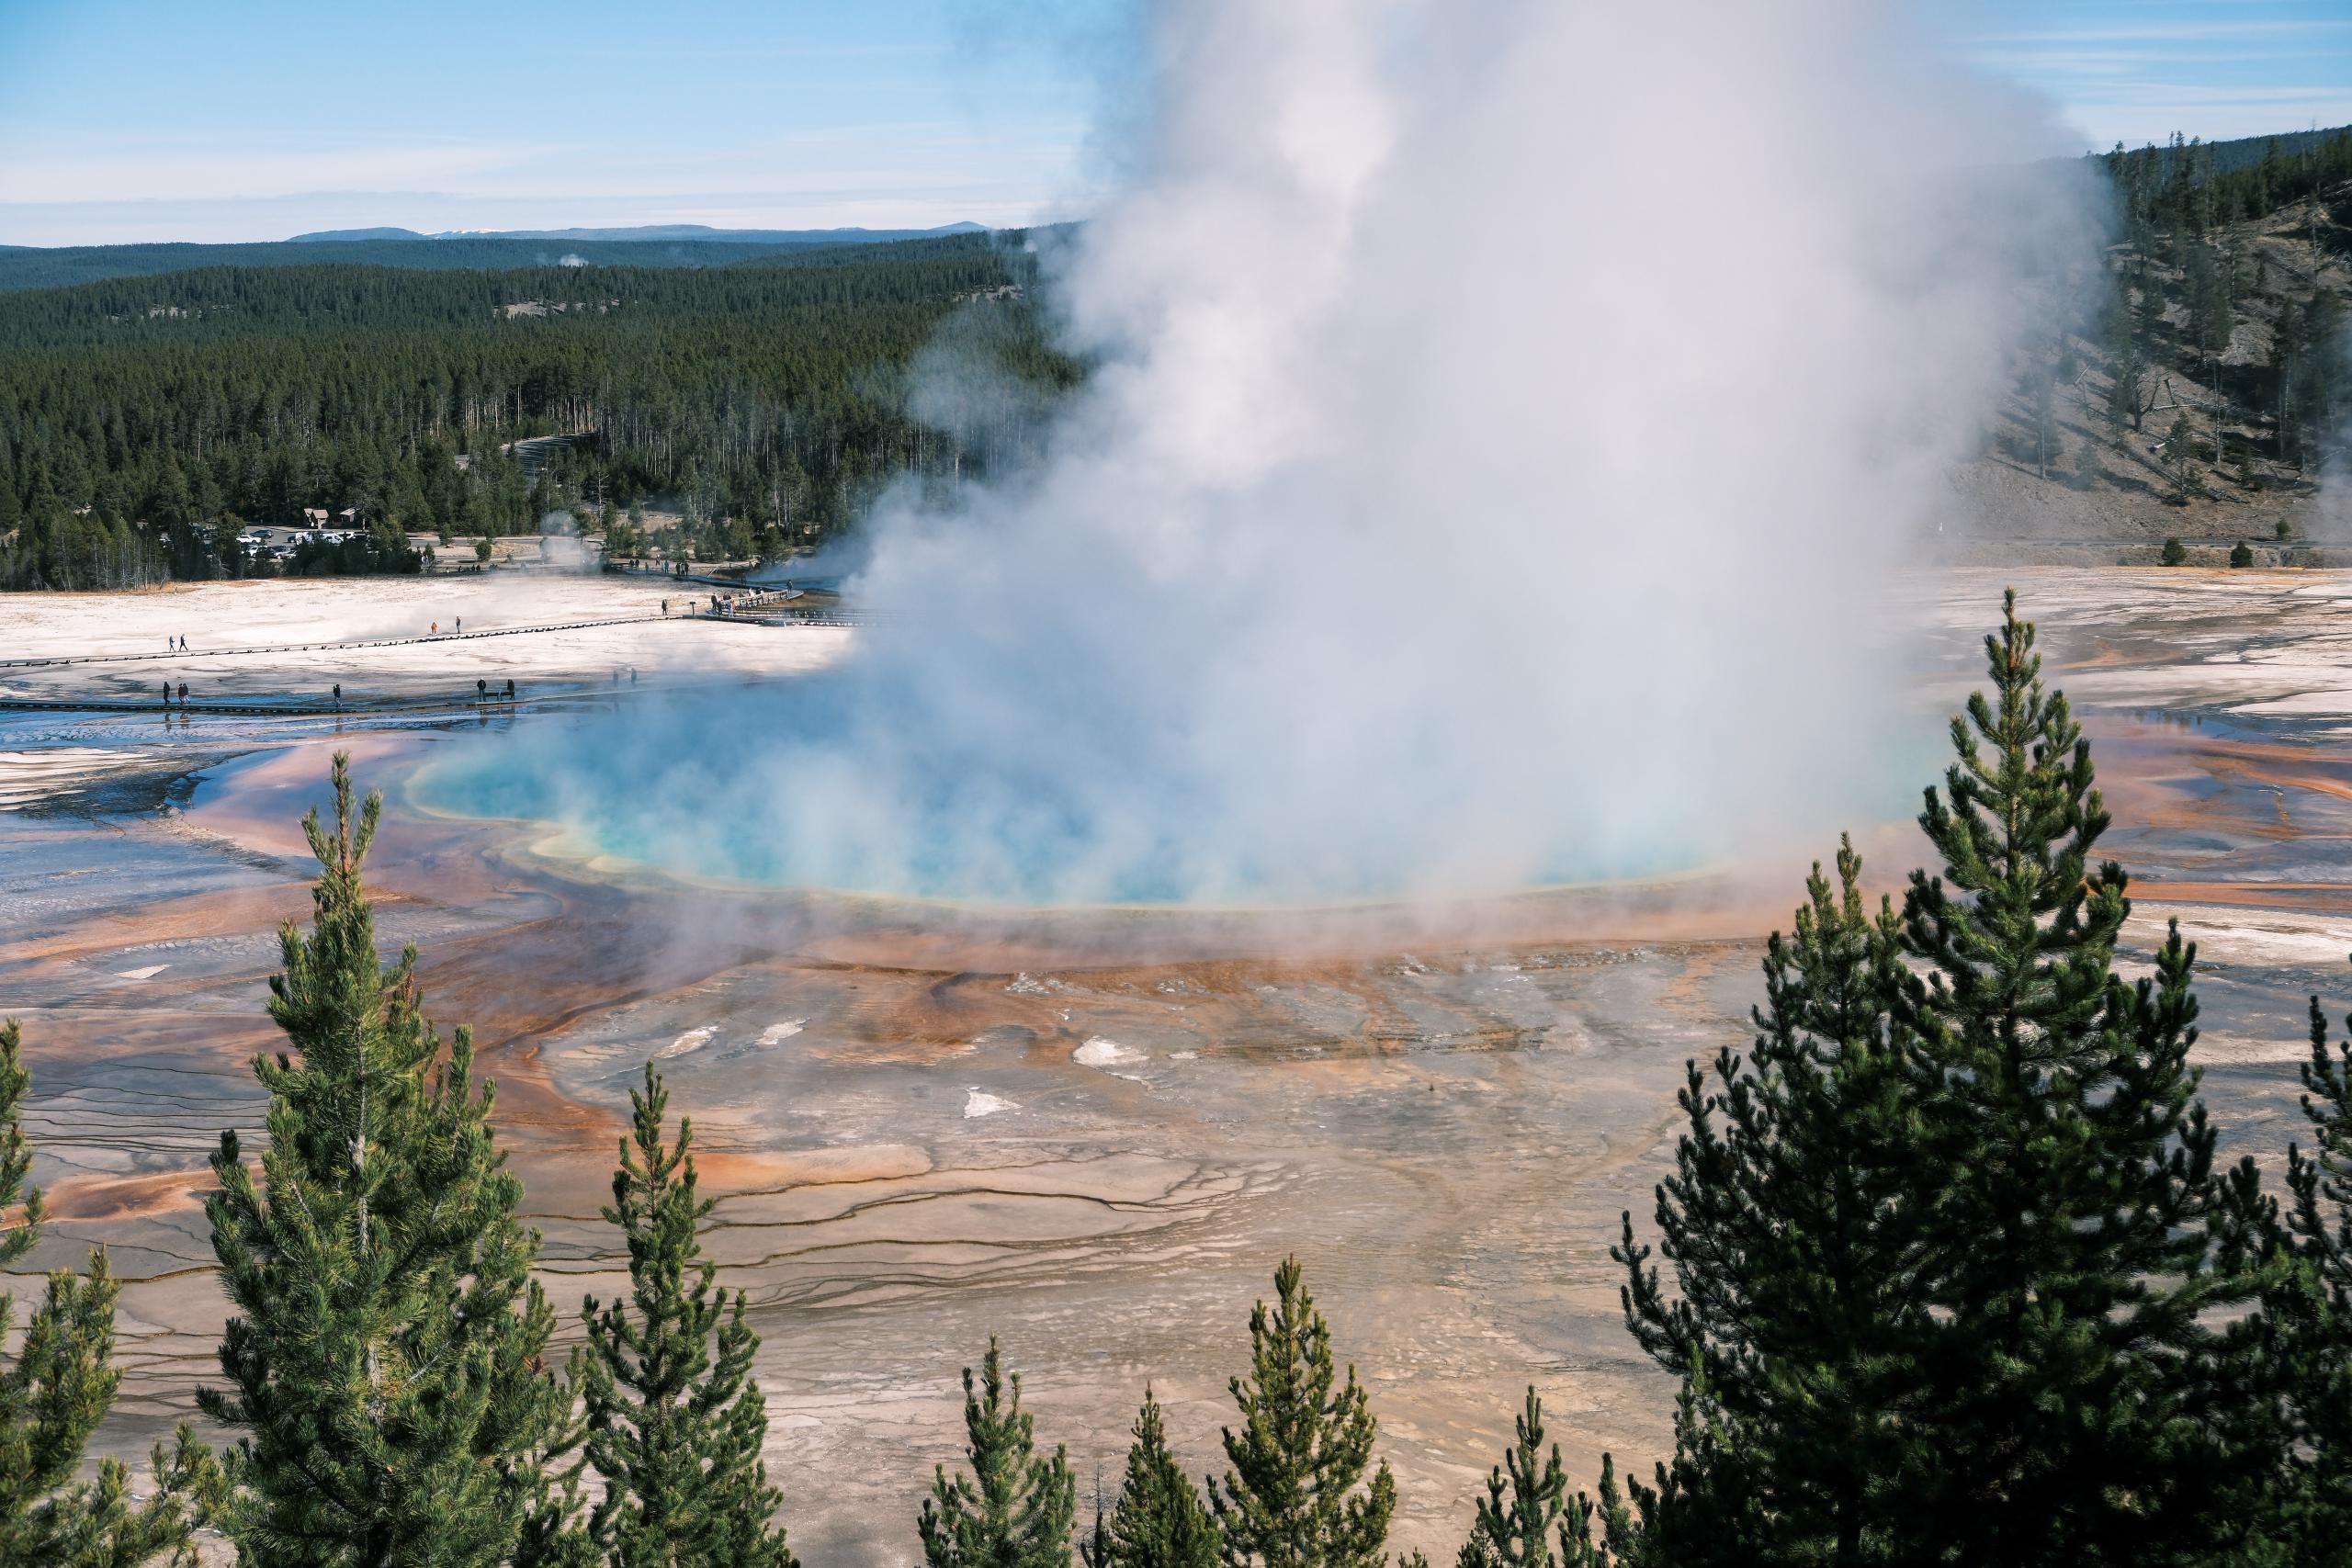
{"x":2071,"y":1393}
{"x":1015,"y":1509}
{"x":1795,"y":1224}
{"x":675,"y":1423}
{"x":1095,"y":1550}
{"x":1602,"y":1532}
{"x":1160,"y":1521}
{"x":1516,"y":1519}
{"x":57,"y":1387}
{"x":384,"y":1358}
{"x":2310,"y":1310}
{"x":1296,"y":1494}
{"x":2126,"y":363}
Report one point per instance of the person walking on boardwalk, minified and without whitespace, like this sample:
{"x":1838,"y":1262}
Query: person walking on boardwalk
{"x":510,"y":688}
{"x":183,"y":694}
{"x":338,"y":696}
{"x":167,"y":693}
{"x":481,"y":691}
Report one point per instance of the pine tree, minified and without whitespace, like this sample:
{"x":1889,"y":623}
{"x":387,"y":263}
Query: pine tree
{"x":1095,"y":1550}
{"x":1160,"y":1521}
{"x":1795,"y":1232}
{"x":1602,"y":1532}
{"x":2049,"y":442}
{"x":2185,"y":456}
{"x":1015,"y":1510}
{"x":384,"y":1358}
{"x":2071,"y":1394}
{"x":56,"y":1389}
{"x":1292,"y":1499}
{"x":2309,"y":1311}
{"x":2126,"y":364}
{"x":1516,"y":1519}
{"x":675,"y":1423}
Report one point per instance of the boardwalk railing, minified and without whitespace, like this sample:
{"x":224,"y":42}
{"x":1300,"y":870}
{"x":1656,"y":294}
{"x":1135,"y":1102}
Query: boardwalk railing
{"x":750,"y":610}
{"x":331,"y":646}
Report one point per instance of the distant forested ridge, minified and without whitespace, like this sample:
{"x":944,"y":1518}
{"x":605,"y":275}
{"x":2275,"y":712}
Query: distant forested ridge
{"x":2200,"y":185}
{"x":143,"y":418}
{"x":24,"y":267}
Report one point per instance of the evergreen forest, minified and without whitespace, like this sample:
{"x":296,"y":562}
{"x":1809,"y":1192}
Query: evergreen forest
{"x":145,"y":420}
{"x":734,"y":402}
{"x":2206,"y":361}
{"x":1948,"y":1271}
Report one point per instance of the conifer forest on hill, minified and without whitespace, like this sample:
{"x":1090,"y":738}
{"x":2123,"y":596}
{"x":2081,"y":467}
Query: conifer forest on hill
{"x":143,"y":418}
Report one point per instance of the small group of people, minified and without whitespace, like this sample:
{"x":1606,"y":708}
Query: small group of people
{"x":719,"y":605}
{"x":167,"y":693}
{"x":175,"y":644}
{"x":481,"y":690}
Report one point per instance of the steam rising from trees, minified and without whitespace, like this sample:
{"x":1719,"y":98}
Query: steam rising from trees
{"x":1502,"y":417}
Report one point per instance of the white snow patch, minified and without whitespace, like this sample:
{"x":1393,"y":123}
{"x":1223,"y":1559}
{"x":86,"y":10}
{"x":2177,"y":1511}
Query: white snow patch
{"x":775,"y":1032}
{"x":978,"y":1104}
{"x":147,"y":973}
{"x":1100,"y":1053}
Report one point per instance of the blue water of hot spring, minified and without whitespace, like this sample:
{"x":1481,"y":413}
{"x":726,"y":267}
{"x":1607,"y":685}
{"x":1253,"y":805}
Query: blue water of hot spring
{"x":709,"y":786}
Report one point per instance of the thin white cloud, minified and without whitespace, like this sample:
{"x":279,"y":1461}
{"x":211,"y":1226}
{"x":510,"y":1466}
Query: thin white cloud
{"x":2218,"y":30}
{"x":900,"y":175}
{"x":241,"y":174}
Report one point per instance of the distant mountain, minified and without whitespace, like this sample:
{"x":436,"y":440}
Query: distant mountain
{"x":691,"y":233}
{"x":32,"y":267}
{"x":355,"y":234}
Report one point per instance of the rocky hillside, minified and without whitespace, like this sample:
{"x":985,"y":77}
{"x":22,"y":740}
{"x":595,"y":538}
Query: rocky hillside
{"x":2202,"y":390}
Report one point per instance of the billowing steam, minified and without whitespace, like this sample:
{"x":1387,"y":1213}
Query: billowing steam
{"x":1504,"y":414}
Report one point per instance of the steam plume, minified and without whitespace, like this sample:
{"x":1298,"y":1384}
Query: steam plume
{"x":1504,"y":414}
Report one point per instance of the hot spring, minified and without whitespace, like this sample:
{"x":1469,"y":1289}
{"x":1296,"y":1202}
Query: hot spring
{"x":788,"y":785}
{"x":1403,"y":569}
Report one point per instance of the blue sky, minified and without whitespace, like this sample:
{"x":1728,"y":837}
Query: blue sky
{"x":141,"y":120}
{"x":133,"y":119}
{"x":2136,"y":71}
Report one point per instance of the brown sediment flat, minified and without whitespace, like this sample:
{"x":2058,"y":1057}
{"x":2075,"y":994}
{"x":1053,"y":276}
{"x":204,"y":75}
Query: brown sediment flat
{"x":863,"y":1178}
{"x":201,"y":915}
{"x":1095,"y":1131}
{"x":126,"y":1197}
{"x":2311,"y":897}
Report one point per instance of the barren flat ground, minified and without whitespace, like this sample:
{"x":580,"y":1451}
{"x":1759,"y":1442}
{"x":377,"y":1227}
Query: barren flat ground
{"x":1092,"y":1134}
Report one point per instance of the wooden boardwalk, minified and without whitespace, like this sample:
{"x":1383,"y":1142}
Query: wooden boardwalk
{"x":187,"y":653}
{"x":753,"y":613}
